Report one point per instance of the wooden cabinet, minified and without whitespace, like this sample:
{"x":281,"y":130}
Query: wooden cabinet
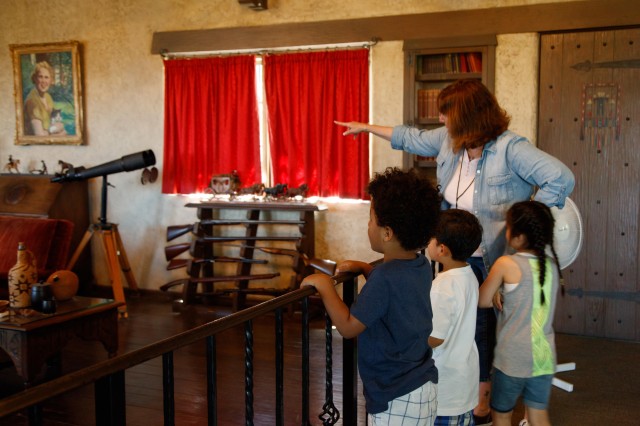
{"x":431,"y":65}
{"x":36,"y":196}
{"x":266,"y":227}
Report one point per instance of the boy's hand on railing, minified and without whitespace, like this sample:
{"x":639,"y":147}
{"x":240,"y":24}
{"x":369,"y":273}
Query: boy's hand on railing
{"x":321,"y":282}
{"x":339,"y":313}
{"x":354,"y":266}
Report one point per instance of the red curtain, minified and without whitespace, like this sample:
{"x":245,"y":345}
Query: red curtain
{"x":211,"y":122}
{"x":305,"y":93}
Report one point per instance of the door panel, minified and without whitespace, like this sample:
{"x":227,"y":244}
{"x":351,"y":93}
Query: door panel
{"x":589,"y":118}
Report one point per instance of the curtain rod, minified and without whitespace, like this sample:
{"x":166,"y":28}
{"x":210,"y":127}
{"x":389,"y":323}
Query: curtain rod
{"x":166,"y":55}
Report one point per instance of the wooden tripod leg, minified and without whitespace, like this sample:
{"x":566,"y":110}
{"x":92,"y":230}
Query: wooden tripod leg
{"x":124,"y":261}
{"x":83,"y":243}
{"x":109,"y":242}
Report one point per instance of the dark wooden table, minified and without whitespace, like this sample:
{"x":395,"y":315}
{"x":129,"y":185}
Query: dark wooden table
{"x":32,"y":340}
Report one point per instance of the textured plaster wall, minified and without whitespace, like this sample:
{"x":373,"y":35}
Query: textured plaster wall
{"x":517,"y":57}
{"x":123,"y":102}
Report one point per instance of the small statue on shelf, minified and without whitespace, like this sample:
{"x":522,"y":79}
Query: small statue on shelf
{"x":42,"y":171}
{"x":255,"y":189}
{"x":12,"y":165}
{"x":224,"y":183}
{"x":300,"y":191}
{"x":64,"y":167}
{"x":275,"y":192}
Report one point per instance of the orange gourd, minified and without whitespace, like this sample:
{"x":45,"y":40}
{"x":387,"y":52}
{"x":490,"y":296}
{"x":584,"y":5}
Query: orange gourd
{"x":64,"y":284}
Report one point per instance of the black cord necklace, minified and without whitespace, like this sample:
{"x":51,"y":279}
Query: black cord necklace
{"x":459,"y":177}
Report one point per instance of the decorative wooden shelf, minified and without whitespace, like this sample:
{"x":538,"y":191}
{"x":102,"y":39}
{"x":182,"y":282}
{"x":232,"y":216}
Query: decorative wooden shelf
{"x":204,"y":242}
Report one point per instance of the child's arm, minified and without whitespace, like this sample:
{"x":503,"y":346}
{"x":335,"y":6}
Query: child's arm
{"x":356,"y":267}
{"x":348,"y":325}
{"x":434,"y":342}
{"x":491,"y":284}
{"x":497,"y":300}
{"x":504,"y":270}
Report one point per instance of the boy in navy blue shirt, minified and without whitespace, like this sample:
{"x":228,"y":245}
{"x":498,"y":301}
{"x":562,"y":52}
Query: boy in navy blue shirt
{"x":392,"y":315}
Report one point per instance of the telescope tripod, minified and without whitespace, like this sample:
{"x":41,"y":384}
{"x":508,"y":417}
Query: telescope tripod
{"x":117,"y":261}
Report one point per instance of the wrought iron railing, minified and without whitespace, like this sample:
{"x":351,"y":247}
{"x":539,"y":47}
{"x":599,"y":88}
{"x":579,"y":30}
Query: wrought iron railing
{"x":108,"y":376}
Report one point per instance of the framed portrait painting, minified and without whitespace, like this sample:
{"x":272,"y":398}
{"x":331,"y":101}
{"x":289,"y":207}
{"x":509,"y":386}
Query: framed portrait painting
{"x":48,"y":93}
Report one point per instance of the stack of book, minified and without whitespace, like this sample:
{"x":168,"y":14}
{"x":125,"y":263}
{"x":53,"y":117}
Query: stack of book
{"x":452,"y":63}
{"x":428,"y":103}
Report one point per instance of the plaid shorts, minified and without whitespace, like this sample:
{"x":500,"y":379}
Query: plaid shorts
{"x":465,"y":419}
{"x":417,"y":408}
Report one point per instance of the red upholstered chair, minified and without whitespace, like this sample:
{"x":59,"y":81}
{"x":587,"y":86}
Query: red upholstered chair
{"x":48,"y":239}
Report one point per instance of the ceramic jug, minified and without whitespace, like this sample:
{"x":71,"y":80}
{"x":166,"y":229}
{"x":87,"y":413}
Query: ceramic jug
{"x":21,"y":277}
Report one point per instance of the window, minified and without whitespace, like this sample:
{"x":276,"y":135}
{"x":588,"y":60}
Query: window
{"x":211,"y":126}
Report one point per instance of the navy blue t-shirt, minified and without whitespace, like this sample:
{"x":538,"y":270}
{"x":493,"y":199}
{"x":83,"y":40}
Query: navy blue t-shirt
{"x":394,"y":357}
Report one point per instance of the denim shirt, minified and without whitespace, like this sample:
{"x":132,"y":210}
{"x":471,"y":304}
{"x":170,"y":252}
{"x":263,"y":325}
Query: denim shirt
{"x":510,"y":169}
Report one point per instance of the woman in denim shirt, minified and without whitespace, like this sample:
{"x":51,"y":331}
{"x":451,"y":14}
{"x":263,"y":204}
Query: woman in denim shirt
{"x":484,"y":168}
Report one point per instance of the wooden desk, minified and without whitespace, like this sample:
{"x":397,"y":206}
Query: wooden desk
{"x":208,"y":211}
{"x":31,"y":341}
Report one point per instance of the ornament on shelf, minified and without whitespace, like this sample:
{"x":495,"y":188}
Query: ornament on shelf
{"x":300,"y":191}
{"x":275,"y":192}
{"x":12,"y":165}
{"x":64,"y":167}
{"x":42,"y":171}
{"x":21,"y":277}
{"x":227,"y":183}
{"x":255,"y":189}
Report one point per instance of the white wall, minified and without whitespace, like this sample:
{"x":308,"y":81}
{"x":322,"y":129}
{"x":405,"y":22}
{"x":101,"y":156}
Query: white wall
{"x":123,"y":93}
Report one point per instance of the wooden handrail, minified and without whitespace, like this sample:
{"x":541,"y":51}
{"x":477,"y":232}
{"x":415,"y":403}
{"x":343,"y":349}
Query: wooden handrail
{"x":93,"y":373}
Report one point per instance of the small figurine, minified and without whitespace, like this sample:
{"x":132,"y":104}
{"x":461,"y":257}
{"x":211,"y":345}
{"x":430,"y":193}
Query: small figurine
{"x":276,"y":191}
{"x":12,"y":165}
{"x":42,"y":171}
{"x":255,"y":189}
{"x":64,"y":167}
{"x":301,"y":191}
{"x":224,"y":183}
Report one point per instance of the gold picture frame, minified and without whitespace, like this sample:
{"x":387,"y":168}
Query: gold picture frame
{"x":48,"y":93}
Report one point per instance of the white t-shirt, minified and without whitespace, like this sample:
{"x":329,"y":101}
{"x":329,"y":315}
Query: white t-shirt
{"x":461,"y":188}
{"x":459,"y":192}
{"x":454,"y":300}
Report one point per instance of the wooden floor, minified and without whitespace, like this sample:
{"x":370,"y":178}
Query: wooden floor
{"x":606,"y":381}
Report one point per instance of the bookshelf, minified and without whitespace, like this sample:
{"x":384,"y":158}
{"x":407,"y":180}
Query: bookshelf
{"x":431,"y":65}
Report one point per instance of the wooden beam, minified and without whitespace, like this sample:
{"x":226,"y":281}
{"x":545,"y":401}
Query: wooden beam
{"x":575,"y":15}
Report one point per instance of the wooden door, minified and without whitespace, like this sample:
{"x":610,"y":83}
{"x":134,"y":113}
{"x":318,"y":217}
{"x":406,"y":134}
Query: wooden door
{"x":589,"y":118}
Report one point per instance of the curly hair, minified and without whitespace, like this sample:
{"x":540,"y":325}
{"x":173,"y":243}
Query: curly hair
{"x":460,"y":231}
{"x":534,"y":220}
{"x":408,"y":203}
{"x":473,"y":114}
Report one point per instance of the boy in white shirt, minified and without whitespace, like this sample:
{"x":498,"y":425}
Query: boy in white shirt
{"x":454,"y":299}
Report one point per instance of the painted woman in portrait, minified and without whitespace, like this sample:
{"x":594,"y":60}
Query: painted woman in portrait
{"x":40,"y":116}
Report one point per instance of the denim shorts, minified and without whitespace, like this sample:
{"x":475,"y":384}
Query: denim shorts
{"x":485,"y":325}
{"x":505,"y":391}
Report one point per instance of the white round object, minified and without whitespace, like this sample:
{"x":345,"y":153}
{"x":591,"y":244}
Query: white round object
{"x":568,"y":232}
